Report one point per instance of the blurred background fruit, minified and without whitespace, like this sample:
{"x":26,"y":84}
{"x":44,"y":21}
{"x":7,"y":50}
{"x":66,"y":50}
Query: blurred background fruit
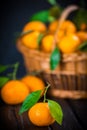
{"x":14,"y":15}
{"x":35,"y":26}
{"x":69,"y":43}
{"x":31,"y":40}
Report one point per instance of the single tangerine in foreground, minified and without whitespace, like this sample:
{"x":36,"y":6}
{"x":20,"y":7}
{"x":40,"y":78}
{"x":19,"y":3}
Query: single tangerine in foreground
{"x":40,"y":115}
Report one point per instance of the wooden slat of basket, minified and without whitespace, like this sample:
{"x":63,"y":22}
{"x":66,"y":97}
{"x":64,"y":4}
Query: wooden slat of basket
{"x":68,"y":94}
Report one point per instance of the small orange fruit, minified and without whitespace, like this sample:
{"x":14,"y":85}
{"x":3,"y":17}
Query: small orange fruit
{"x":69,"y":43}
{"x":53,"y":26}
{"x":68,"y":27}
{"x":14,"y":92}
{"x":47,"y":43}
{"x":31,"y":40}
{"x":82,"y":35}
{"x":33,"y":82}
{"x":35,"y":26}
{"x":83,"y":26}
{"x":40,"y":115}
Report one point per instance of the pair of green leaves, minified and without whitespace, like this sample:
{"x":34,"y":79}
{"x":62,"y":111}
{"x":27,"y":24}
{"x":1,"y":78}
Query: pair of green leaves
{"x":48,"y":15}
{"x":33,"y":98}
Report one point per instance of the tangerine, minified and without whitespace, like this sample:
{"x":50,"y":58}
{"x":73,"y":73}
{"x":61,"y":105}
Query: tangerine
{"x":14,"y":92}
{"x":40,"y":115}
{"x":47,"y":43}
{"x":30,"y":40}
{"x":69,"y":43}
{"x":53,"y":26}
{"x":34,"y":83}
{"x":35,"y":26}
{"x":83,"y":26}
{"x":82,"y":35}
{"x":66,"y":26}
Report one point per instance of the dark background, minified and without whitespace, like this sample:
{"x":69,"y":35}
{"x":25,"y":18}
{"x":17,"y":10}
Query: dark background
{"x":13,"y":15}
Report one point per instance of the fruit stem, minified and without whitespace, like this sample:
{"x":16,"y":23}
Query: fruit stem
{"x":15,"y":70}
{"x":46,"y":92}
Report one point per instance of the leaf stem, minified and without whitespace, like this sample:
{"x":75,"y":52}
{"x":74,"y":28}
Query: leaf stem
{"x":15,"y":70}
{"x":46,"y":92}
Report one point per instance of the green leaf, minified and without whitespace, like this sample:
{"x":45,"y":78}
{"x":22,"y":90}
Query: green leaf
{"x":41,"y":16}
{"x":82,"y":46}
{"x":52,"y":2}
{"x":56,"y":111}
{"x":3,"y":68}
{"x":55,"y":58}
{"x":30,"y":100}
{"x":3,"y":81}
{"x":40,"y":38}
{"x":51,"y":19}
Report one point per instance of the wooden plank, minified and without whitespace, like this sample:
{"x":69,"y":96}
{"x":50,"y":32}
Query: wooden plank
{"x":79,"y":108}
{"x":74,"y":116}
{"x":70,"y":122}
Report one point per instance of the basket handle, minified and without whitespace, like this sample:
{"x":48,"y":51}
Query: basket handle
{"x":63,"y":16}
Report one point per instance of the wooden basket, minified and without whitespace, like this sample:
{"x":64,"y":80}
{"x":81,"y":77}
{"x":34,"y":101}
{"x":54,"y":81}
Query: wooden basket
{"x":68,"y":80}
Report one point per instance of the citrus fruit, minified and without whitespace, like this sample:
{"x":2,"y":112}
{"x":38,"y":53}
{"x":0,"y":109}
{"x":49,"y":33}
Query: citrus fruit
{"x":69,"y":43}
{"x":35,"y":26}
{"x":33,"y":82}
{"x":30,"y":40}
{"x":67,"y":26}
{"x":83,"y":26}
{"x":53,"y":26}
{"x":47,"y":43}
{"x":82,"y":35}
{"x":14,"y":92}
{"x":40,"y":115}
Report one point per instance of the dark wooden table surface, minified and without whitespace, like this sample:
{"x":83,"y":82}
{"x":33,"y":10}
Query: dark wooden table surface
{"x":75,"y":116}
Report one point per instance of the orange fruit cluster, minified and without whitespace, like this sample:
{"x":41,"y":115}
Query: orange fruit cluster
{"x":16,"y":91}
{"x":68,"y":38}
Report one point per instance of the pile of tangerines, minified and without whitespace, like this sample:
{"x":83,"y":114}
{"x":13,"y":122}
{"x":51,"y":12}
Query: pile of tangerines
{"x":67,"y":40}
{"x":27,"y":91}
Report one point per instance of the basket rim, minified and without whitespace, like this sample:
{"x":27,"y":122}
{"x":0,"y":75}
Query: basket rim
{"x":65,"y":57}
